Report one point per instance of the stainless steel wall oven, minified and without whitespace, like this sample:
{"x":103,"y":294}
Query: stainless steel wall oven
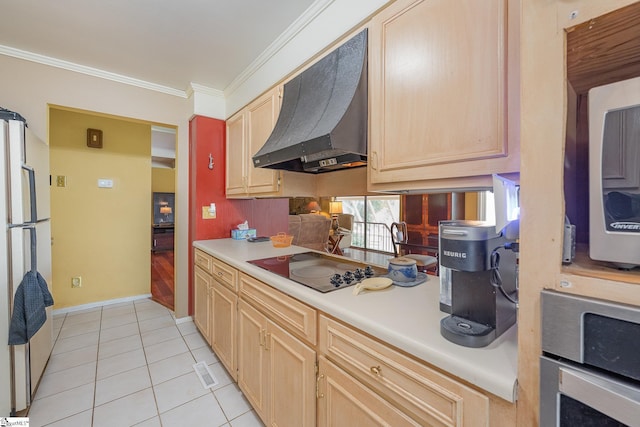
{"x":590,"y":367}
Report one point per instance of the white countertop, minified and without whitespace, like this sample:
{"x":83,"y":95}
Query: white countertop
{"x":407,"y":318}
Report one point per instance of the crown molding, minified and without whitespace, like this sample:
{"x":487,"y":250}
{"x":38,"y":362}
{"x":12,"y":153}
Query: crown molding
{"x":90,"y":71}
{"x":163,"y":129}
{"x":290,"y":33}
{"x":198,"y":88}
{"x":298,"y":25}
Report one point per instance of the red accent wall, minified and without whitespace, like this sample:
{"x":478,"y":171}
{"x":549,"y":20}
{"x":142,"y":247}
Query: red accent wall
{"x":206,"y":186}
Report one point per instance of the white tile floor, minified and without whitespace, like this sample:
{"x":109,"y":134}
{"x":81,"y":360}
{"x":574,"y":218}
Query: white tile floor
{"x":130,"y":364}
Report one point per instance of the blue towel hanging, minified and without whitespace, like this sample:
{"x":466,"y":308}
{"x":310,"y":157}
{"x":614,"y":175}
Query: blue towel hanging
{"x":29,"y":314}
{"x":31,"y":298}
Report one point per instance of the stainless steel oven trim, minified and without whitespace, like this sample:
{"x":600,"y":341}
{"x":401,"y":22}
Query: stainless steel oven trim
{"x":562,"y":315}
{"x":613,"y":398}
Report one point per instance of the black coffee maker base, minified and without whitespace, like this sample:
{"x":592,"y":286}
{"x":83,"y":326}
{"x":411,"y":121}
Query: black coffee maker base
{"x":466,"y":333}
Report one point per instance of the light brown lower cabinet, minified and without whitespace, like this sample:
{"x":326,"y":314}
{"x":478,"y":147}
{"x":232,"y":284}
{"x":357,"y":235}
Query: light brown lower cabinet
{"x":416,"y":391}
{"x":300,"y":368}
{"x":201,"y":301}
{"x":223,"y":325}
{"x":345,"y":401}
{"x":276,"y":371}
{"x":215,"y":306}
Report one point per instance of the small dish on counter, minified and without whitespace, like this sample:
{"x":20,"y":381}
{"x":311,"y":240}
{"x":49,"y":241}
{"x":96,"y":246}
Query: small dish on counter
{"x":372,"y":284}
{"x":421,"y":278}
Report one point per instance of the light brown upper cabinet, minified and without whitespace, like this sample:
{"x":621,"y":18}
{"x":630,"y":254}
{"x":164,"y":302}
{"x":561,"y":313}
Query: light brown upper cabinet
{"x":443,"y":94}
{"x":247,"y":131}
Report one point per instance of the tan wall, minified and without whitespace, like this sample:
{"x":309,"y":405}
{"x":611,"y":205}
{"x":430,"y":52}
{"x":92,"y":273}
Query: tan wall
{"x":163,"y":180}
{"x":100,"y":234}
{"x":33,"y":87}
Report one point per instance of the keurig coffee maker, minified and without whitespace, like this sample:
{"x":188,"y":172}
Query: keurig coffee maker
{"x":480,"y":282}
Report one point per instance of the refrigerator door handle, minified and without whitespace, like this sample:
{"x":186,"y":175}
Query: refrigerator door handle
{"x":32,"y":192}
{"x":31,"y":225}
{"x":27,"y":224}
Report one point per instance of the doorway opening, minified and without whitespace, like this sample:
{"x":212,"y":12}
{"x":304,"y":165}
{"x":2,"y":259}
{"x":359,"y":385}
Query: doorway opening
{"x":101,"y":206}
{"x":163,"y":178}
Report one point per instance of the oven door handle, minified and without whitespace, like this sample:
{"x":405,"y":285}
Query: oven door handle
{"x":612,"y":398}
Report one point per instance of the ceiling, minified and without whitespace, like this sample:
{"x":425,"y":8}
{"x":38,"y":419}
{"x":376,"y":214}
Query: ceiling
{"x":166,"y":43}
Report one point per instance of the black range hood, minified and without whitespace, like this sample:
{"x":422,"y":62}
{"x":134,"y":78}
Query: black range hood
{"x":322,"y":124}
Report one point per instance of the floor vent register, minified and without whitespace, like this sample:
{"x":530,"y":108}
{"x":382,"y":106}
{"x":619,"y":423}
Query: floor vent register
{"x":207,"y":379}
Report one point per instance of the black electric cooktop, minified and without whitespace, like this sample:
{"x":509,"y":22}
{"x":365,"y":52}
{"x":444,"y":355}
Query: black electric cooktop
{"x":321,"y":272}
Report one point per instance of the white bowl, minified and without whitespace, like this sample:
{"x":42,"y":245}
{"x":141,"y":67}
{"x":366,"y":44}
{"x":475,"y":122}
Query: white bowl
{"x":403,"y":269}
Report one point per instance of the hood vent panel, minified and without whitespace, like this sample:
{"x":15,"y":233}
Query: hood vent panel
{"x":322,"y":124}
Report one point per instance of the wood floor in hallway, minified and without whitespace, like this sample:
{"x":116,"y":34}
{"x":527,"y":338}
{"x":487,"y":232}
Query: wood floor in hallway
{"x":162,"y":278}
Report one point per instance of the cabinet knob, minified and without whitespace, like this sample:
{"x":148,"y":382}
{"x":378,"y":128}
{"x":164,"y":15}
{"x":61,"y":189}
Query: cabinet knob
{"x":376,"y":370}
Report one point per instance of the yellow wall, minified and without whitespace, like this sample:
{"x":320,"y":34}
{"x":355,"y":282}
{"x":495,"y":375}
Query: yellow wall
{"x":163,"y":180}
{"x":100,"y":234}
{"x":471,"y":205}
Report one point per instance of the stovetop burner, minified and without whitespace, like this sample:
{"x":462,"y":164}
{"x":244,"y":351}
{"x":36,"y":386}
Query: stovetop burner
{"x":318,"y":271}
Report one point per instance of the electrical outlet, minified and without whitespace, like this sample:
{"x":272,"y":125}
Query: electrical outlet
{"x":61,"y":181}
{"x":76,"y":282}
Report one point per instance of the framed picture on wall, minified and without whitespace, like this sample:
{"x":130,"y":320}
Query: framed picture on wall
{"x":163,"y":209}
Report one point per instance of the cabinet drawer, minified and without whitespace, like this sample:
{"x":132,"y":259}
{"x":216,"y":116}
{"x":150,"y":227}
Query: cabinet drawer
{"x":291,"y":314}
{"x":343,"y":400}
{"x":426,"y":395}
{"x":203,"y":260}
{"x":225,"y":274}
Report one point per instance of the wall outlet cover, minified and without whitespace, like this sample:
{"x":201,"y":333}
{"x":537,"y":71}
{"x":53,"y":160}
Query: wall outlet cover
{"x":76,"y":282}
{"x":105,"y":183}
{"x":206,"y":214}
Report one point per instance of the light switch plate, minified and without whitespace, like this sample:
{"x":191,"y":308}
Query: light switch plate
{"x":206,"y":214}
{"x":94,"y":138}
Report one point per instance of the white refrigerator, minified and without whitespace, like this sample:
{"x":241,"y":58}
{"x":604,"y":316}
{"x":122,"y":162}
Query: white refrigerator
{"x":21,"y":366}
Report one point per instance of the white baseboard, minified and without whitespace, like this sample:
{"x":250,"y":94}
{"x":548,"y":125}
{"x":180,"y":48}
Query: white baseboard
{"x":99,"y":304}
{"x":184,"y":320}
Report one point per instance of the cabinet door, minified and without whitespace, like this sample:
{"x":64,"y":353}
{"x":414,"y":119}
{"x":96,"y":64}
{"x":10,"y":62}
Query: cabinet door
{"x":422,"y":213}
{"x":342,"y":400}
{"x":296,"y":317}
{"x":162,"y":240}
{"x":291,"y":379}
{"x":261,"y":119}
{"x":201,"y":301}
{"x":236,"y":155}
{"x":223,"y":326}
{"x":424,"y":394}
{"x":438,"y":86}
{"x":252,"y":364}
